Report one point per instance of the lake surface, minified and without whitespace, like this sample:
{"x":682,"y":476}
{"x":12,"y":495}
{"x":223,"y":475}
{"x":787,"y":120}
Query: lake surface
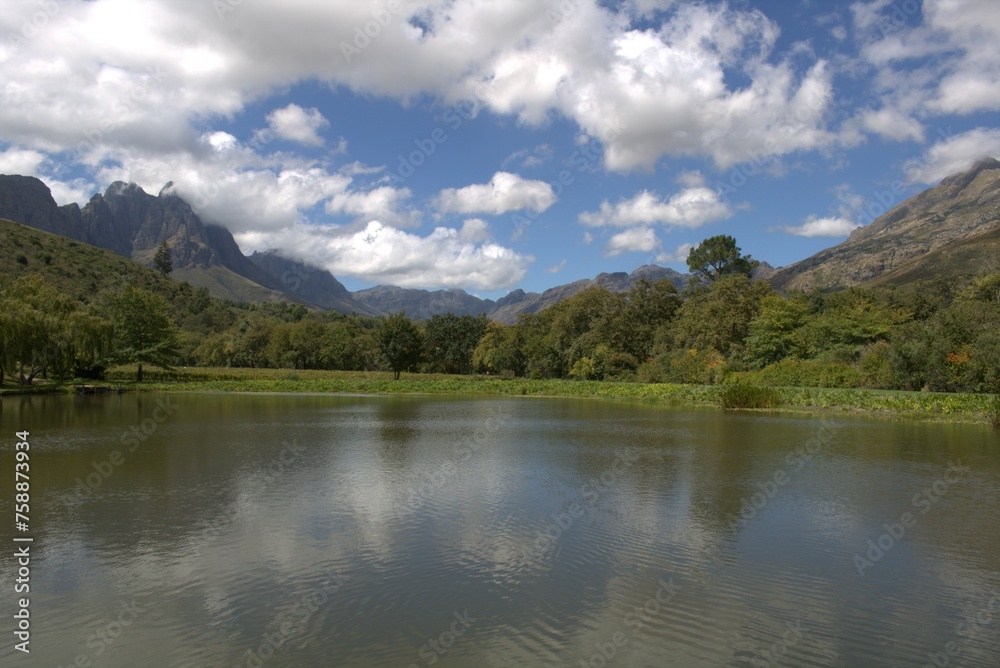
{"x":276,"y":530}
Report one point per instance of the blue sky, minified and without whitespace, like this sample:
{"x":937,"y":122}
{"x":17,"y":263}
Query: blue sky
{"x":489,"y":145}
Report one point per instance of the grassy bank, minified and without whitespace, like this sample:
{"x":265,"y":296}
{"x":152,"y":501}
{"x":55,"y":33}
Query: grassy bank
{"x":946,"y":406}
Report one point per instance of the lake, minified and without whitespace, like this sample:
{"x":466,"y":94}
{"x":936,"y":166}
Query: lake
{"x":290,"y":530}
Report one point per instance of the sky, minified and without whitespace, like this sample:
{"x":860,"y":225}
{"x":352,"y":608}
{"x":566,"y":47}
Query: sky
{"x":489,"y":145}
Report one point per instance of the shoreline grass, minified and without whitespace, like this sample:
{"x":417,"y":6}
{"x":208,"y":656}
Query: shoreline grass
{"x":953,"y":407}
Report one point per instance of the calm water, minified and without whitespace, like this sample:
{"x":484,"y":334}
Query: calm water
{"x":235,"y":530}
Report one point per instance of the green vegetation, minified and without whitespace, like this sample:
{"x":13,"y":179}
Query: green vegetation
{"x":950,"y":406}
{"x":163,"y":261}
{"x":719,"y":256}
{"x":742,"y":395}
{"x":729,"y":340}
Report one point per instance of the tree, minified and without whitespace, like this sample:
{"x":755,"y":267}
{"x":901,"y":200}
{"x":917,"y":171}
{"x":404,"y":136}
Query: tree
{"x":143,"y":331}
{"x":163,"y":261}
{"x":720,"y":317}
{"x":450,"y":340}
{"x":44,"y":332}
{"x":400,"y":343}
{"x":717,"y":256}
{"x":500,"y":350}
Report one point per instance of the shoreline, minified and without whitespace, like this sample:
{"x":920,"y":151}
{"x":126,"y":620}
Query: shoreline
{"x":946,"y":407}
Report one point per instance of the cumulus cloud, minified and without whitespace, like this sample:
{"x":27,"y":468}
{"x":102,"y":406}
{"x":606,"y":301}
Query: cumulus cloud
{"x":382,"y":254}
{"x":679,"y":254}
{"x":297,"y":124}
{"x":948,"y":62}
{"x":892,"y":124}
{"x":641,"y":239}
{"x":953,"y":155}
{"x":505,"y":192}
{"x":691,"y":207}
{"x":823,"y":227}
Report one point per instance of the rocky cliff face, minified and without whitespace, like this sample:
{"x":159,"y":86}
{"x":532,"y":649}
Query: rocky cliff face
{"x":26,"y":200}
{"x":960,"y":207}
{"x":314,"y":285}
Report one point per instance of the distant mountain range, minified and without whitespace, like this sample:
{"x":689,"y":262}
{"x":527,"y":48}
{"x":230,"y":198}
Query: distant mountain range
{"x":953,"y":228}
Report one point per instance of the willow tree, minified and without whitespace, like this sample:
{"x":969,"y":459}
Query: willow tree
{"x":44,"y":332}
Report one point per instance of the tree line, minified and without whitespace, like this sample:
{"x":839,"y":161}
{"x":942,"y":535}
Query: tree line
{"x":939,"y":335}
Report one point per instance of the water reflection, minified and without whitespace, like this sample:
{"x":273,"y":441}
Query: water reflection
{"x":329,"y":530}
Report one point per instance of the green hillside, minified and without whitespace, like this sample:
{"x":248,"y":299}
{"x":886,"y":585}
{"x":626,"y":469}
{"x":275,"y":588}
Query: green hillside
{"x":77,"y":269}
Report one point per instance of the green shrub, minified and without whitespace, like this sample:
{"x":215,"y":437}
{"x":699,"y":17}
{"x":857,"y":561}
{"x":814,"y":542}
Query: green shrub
{"x":993,"y":412}
{"x":743,"y":395}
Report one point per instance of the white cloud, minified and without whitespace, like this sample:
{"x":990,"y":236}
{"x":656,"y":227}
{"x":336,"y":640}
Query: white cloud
{"x":953,"y":155}
{"x":297,"y":124}
{"x":20,"y":161}
{"x":947,"y":63}
{"x":381,"y":254}
{"x":505,"y":192}
{"x":678,"y":255}
{"x":638,"y":239}
{"x":823,"y":227}
{"x":692,"y":207}
{"x":892,"y":124}
{"x":556,"y":268}
{"x":474,"y":230}
{"x":147,"y":73}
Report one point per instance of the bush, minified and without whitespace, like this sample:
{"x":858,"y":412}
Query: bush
{"x":993,"y":412}
{"x":796,"y":373}
{"x":743,"y":395}
{"x":697,"y":367}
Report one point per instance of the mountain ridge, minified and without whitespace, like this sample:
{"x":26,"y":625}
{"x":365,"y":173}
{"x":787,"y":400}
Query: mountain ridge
{"x":961,"y":206}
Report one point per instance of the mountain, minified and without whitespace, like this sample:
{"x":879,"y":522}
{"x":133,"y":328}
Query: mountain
{"x":317,"y":286}
{"x":944,"y":220}
{"x":422,"y":304}
{"x":131,"y":222}
{"x":518,"y":302}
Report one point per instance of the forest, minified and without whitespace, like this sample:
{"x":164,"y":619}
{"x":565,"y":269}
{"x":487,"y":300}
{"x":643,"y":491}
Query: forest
{"x":936,"y":335}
